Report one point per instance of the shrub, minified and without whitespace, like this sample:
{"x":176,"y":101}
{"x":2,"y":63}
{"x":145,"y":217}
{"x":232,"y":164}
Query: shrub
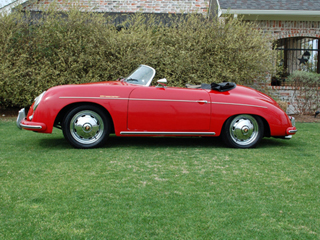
{"x":79,"y":47}
{"x":283,"y":105}
{"x":306,"y":91}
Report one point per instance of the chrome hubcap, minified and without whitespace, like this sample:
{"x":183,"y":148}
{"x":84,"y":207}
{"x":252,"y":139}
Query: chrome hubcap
{"x":86,"y":127}
{"x":244,"y":129}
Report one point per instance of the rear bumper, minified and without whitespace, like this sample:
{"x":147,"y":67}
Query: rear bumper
{"x":291,"y":130}
{"x":23,"y":123}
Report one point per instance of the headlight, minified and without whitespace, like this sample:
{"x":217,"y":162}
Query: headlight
{"x":37,"y":100}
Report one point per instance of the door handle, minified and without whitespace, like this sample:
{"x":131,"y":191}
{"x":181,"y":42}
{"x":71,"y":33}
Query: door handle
{"x":202,"y":101}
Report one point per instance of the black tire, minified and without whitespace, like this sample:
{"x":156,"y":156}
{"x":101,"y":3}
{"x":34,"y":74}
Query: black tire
{"x":243,"y":131}
{"x":86,"y":127}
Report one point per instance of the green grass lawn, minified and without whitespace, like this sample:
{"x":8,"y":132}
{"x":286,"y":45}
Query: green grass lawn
{"x":158,"y":188}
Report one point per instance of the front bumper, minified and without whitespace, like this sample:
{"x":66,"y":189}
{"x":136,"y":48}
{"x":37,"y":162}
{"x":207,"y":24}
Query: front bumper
{"x":22,"y":122}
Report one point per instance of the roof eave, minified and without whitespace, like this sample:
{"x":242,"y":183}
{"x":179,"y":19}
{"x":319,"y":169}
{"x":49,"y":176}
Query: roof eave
{"x":270,"y":12}
{"x":7,"y":9}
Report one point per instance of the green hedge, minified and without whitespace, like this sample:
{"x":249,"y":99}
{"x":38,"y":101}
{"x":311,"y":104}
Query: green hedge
{"x":78,"y":47}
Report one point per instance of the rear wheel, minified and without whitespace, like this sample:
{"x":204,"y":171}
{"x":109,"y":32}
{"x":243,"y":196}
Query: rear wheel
{"x":86,"y":127}
{"x":243,"y":131}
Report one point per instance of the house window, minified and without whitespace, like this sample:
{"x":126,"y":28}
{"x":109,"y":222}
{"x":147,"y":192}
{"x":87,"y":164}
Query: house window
{"x":297,"y":53}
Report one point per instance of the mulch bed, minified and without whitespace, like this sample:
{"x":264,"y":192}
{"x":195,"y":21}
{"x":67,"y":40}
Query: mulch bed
{"x":307,"y":118}
{"x":9,"y":112}
{"x":13,"y":112}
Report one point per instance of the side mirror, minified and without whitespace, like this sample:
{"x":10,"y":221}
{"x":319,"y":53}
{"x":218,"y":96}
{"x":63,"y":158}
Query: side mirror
{"x":162,"y":82}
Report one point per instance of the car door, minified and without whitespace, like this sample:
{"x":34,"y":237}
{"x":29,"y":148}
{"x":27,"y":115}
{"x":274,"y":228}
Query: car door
{"x":168,"y":109}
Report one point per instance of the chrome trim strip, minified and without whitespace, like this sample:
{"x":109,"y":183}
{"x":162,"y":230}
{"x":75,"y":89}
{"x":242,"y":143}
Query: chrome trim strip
{"x":166,"y":100}
{"x":139,"y":99}
{"x":238,"y":104}
{"x":165,"y":133}
{"x":293,"y":131}
{"x":202,"y":101}
{"x":30,"y":127}
{"x":94,"y":98}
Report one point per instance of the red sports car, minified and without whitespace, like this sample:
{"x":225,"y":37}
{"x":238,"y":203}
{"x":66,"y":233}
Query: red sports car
{"x":88,"y":113}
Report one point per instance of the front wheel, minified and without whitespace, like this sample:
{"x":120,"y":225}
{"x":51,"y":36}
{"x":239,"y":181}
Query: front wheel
{"x":86,"y":127}
{"x":243,"y":131}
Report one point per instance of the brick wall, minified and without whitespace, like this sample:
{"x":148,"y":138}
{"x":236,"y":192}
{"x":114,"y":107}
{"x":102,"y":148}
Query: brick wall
{"x":285,"y":94}
{"x":131,"y":6}
{"x":286,"y":29}
{"x":295,"y":98}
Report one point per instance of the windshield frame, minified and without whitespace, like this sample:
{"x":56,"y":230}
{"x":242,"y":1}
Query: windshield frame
{"x":140,"y":68}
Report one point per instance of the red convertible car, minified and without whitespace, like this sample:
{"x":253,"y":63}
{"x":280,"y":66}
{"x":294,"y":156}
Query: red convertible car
{"x":88,"y":113}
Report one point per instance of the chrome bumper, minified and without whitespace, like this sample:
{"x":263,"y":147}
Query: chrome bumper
{"x":21,"y":116}
{"x":291,"y":130}
{"x":21,"y":123}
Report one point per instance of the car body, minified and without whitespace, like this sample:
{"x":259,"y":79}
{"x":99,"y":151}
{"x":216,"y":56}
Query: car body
{"x":88,"y":113}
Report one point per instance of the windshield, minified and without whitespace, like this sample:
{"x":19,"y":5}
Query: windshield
{"x":143,"y":75}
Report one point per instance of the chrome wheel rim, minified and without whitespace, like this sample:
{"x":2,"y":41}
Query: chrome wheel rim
{"x":244,"y":129}
{"x":86,"y":127}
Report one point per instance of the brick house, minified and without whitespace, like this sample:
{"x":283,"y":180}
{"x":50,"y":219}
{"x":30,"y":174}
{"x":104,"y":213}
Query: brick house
{"x":120,"y":6}
{"x":295,"y":27}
